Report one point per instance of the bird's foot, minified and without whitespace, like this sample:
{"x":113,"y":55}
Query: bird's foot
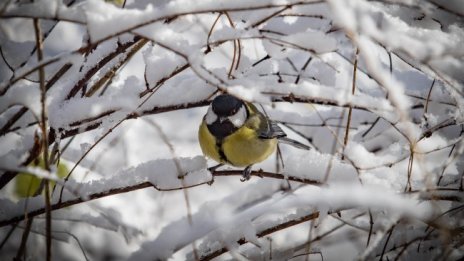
{"x":214,"y":168}
{"x":246,"y":175}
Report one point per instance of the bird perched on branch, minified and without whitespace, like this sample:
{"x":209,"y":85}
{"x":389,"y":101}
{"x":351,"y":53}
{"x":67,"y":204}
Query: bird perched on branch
{"x":235,"y":132}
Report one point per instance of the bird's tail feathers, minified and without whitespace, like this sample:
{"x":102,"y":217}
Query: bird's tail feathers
{"x":294,"y":143}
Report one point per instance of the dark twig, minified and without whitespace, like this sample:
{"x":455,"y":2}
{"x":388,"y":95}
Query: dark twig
{"x":350,"y":108}
{"x":371,"y":227}
{"x":43,"y":118}
{"x":265,"y":19}
{"x":428,"y":97}
{"x":24,"y":237}
{"x":265,"y":232}
{"x":390,"y":232}
{"x":93,"y":70}
{"x":6,"y":128}
{"x":8,"y":234}
{"x":142,"y":185}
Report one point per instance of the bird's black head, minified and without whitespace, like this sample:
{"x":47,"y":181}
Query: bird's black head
{"x":225,"y":115}
{"x":226,"y":105}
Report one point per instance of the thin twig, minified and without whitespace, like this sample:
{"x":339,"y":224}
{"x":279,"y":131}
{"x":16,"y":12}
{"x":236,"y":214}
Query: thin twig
{"x":7,"y":235}
{"x":180,"y":175}
{"x":11,"y":121}
{"x":386,"y":242}
{"x":24,"y":237}
{"x":121,"y":48}
{"x":43,"y":101}
{"x":112,"y":71}
{"x":208,"y":47}
{"x":77,"y":241}
{"x":265,"y":232}
{"x":408,"y":186}
{"x":428,"y":96}
{"x":265,"y":19}
{"x":371,"y":227}
{"x":235,"y":47}
{"x":142,"y":185}
{"x":350,"y":108}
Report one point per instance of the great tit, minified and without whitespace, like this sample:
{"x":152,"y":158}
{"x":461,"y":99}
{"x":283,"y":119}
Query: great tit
{"x":235,"y":132}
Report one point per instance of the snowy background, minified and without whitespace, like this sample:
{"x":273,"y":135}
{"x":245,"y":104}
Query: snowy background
{"x":120,"y":88}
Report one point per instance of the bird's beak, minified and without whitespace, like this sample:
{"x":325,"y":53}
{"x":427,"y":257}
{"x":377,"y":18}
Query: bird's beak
{"x":222,"y":119}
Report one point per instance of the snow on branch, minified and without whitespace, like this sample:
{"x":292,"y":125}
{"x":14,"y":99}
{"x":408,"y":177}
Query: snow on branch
{"x":163,"y":175}
{"x":375,"y":88}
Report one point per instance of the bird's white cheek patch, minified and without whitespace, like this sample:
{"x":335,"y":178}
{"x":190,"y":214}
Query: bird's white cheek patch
{"x":239,"y":118}
{"x":210,"y":116}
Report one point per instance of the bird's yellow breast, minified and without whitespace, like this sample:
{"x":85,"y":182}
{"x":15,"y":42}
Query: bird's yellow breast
{"x":208,"y":143}
{"x":241,"y":148}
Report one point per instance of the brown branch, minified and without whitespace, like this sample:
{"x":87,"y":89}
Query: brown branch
{"x":41,"y":17}
{"x":428,"y":97}
{"x":441,"y":125}
{"x":97,"y":195}
{"x":262,"y":233}
{"x":235,"y":47}
{"x":43,"y":125}
{"x":264,"y":174}
{"x":265,"y":19}
{"x":142,"y":185}
{"x":350,"y":108}
{"x":6,"y":128}
{"x":85,"y":49}
{"x":112,"y":72}
{"x":164,"y":79}
{"x":314,"y":100}
{"x":204,"y":11}
{"x":43,"y":64}
{"x":390,"y":232}
{"x":34,"y":152}
{"x":92,"y":71}
{"x":208,"y":47}
{"x":283,"y":98}
{"x":408,"y":186}
{"x":154,"y":110}
{"x":24,"y":237}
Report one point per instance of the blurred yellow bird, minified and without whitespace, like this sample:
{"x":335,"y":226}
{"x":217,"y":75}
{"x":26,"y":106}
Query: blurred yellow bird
{"x":235,"y":132}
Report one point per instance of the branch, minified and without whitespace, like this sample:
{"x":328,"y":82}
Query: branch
{"x":142,"y":185}
{"x":155,"y":110}
{"x":44,"y":129}
{"x":264,"y":174}
{"x":95,"y":121}
{"x":120,"y":49}
{"x":262,"y":233}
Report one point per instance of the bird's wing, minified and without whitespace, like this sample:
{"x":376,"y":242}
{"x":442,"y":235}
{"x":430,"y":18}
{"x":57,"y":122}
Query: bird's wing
{"x":266,"y":128}
{"x":294,"y":143}
{"x":270,"y":129}
{"x":274,"y":131}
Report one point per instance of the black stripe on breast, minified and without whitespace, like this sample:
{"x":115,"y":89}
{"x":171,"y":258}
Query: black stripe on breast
{"x":222,"y":155}
{"x":220,"y":130}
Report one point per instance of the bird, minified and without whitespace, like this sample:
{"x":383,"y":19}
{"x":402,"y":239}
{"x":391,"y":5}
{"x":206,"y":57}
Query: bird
{"x":236,"y":133}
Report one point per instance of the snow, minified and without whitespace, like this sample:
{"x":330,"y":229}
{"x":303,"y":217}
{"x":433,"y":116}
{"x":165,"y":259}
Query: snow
{"x":19,"y":96}
{"x":146,"y":185}
{"x":53,"y":9}
{"x":162,"y":174}
{"x":237,"y":224}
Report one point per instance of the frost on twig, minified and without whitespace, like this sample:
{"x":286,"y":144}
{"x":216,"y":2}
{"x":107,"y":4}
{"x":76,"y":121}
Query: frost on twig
{"x":375,"y":88}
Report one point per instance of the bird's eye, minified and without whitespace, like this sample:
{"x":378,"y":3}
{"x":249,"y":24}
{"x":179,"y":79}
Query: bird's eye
{"x":239,"y":118}
{"x":210,"y":116}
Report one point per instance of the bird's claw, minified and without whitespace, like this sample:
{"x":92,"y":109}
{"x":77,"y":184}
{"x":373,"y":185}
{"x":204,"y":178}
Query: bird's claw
{"x":246,"y":175}
{"x":214,"y":168}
